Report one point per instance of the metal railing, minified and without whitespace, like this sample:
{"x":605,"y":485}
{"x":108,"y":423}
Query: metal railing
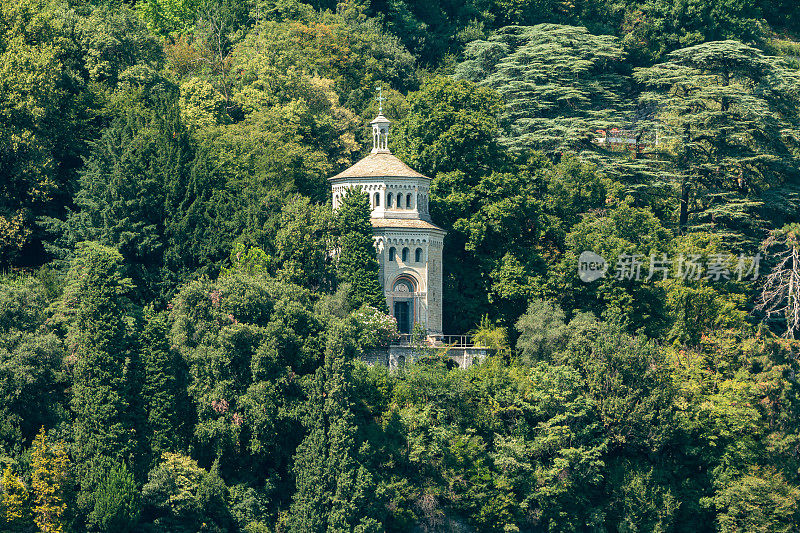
{"x":453,"y":341}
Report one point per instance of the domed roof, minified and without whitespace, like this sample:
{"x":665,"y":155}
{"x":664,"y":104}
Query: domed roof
{"x":379,"y":165}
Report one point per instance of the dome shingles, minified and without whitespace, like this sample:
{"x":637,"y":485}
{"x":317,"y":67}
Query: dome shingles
{"x":404,"y":223}
{"x":379,"y":165}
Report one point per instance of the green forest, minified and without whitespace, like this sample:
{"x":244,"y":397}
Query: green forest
{"x":180,"y":351}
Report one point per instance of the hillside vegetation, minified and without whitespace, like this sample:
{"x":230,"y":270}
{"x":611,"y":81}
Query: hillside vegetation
{"x":180,"y":351}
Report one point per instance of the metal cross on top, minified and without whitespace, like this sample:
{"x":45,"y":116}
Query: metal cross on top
{"x":380,"y":98}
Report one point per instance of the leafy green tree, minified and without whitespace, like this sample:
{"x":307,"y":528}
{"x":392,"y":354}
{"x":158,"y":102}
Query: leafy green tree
{"x":542,"y":331}
{"x":451,"y":126}
{"x":303,"y":242}
{"x":32,"y":382}
{"x":759,"y":501}
{"x":45,"y":106}
{"x":169,"y":17}
{"x":697,"y":307}
{"x":357,"y":262}
{"x":652,"y":29}
{"x":622,"y":235}
{"x":116,"y":502}
{"x":248,"y":341}
{"x":113,"y":40}
{"x":181,"y":496}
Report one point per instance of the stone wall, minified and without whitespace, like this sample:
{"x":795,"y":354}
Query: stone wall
{"x":396,"y":356}
{"x":435,"y":280}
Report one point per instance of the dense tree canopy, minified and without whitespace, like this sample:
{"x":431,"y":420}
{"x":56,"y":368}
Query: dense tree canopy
{"x":183,"y":315}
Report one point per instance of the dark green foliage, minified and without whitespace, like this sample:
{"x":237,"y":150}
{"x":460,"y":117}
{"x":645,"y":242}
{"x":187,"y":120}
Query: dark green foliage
{"x":103,"y":356}
{"x":729,"y":126}
{"x":116,"y":502}
{"x":46,"y":108}
{"x":334,"y":489}
{"x":451,"y":126}
{"x":560,"y":84}
{"x":248,"y":341}
{"x":303,"y":243}
{"x":358,"y":263}
{"x":131,"y":185}
{"x":198,"y":359}
{"x":31,"y":380}
{"x":162,"y":387}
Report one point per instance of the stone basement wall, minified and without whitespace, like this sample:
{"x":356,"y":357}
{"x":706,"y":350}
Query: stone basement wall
{"x":395,"y":356}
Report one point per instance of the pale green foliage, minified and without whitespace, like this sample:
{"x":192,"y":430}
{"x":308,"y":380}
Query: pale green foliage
{"x":174,"y":485}
{"x":49,"y":479}
{"x":375,"y":327}
{"x":15,"y":505}
{"x":492,"y":336}
{"x":250,"y":261}
{"x":542,"y":331}
{"x":202,"y":106}
{"x":168,"y":17}
{"x":760,"y":501}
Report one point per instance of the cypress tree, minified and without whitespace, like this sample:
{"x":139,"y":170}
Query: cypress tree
{"x":358,"y":263}
{"x":133,"y":183}
{"x":160,"y":386}
{"x":104,"y":373}
{"x":334,"y":490}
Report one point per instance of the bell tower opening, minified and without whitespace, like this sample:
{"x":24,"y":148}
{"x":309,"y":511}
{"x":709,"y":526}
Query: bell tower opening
{"x":380,"y":130}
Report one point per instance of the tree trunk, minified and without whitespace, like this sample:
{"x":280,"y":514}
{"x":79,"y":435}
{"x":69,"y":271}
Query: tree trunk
{"x":683,"y":221}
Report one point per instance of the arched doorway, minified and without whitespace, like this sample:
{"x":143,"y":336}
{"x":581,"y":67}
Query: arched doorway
{"x":403,"y":291}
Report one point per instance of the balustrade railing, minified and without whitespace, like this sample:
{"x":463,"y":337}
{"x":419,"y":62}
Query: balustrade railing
{"x":434,"y":341}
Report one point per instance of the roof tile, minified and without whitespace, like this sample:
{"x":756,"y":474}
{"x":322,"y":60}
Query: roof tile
{"x":379,"y":165}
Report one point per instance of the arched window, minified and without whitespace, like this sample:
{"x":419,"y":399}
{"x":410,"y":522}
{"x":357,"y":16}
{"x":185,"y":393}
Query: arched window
{"x":418,"y":255}
{"x":377,"y":199}
{"x":408,"y":201}
{"x":389,"y":200}
{"x":399,"y":200}
{"x":405,"y":255}
{"x":392,"y":253}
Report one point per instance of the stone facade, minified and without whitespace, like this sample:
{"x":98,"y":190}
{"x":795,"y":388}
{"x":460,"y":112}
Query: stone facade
{"x":408,"y":244}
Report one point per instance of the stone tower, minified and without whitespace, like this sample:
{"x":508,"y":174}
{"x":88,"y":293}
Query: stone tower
{"x":408,"y":244}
